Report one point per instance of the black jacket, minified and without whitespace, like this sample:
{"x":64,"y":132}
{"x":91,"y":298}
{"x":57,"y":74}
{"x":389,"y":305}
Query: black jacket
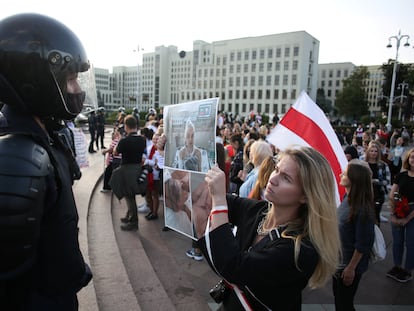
{"x":267,"y":269}
{"x":59,"y":268}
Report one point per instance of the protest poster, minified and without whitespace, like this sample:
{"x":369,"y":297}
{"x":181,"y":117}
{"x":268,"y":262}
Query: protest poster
{"x":190,"y":152}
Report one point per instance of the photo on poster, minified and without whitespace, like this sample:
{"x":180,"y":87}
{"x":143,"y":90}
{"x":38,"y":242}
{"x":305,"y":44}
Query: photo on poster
{"x":187,"y":202}
{"x":190,"y":130}
{"x":177,"y":201}
{"x":190,"y":152}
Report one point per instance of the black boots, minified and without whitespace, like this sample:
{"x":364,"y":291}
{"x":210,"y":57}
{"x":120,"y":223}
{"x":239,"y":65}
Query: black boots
{"x":129,"y":226}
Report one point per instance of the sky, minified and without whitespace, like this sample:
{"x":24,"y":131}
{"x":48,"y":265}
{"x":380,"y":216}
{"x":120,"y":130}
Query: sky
{"x":113,"y":32}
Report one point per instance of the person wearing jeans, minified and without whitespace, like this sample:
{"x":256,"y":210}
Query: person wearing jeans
{"x":402,"y":203}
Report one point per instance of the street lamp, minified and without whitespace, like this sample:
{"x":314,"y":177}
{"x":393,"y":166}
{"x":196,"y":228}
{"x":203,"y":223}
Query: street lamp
{"x":398,"y":39}
{"x":138,"y":50}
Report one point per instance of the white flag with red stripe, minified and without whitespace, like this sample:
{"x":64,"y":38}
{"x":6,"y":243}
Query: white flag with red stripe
{"x":305,"y":124}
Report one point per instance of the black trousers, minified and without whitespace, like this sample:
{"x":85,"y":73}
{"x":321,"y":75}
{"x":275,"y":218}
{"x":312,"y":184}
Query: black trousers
{"x":344,"y":295}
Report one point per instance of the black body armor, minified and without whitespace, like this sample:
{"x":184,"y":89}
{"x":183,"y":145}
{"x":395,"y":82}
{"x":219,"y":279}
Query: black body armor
{"x":24,"y":166}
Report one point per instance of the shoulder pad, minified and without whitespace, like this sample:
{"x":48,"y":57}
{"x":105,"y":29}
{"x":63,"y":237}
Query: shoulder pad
{"x":22,"y":156}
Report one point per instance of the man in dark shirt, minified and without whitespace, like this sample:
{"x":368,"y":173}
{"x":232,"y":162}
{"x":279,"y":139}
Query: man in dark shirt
{"x":124,"y":179}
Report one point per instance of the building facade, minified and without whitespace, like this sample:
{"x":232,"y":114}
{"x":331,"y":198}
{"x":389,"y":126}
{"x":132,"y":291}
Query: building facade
{"x":264,"y":74}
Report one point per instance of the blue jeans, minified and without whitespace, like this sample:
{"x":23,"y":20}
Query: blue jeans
{"x":400,"y":236}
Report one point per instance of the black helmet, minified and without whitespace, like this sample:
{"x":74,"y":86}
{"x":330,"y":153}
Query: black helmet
{"x":37,"y":54}
{"x":136,"y":110}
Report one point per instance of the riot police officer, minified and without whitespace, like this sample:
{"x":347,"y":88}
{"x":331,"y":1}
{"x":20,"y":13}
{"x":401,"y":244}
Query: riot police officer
{"x":41,"y":265}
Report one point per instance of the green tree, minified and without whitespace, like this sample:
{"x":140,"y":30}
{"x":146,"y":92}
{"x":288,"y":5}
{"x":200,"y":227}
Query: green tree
{"x":324,"y":103}
{"x":352,"y":102}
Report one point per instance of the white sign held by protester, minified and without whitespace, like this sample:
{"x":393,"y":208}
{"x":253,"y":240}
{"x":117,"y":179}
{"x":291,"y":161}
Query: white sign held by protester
{"x":190,"y":152}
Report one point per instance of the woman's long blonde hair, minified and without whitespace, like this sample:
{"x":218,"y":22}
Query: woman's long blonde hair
{"x":318,"y":217}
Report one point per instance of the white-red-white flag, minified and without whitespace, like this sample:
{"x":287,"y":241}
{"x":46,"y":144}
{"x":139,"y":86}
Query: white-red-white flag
{"x":305,"y":124}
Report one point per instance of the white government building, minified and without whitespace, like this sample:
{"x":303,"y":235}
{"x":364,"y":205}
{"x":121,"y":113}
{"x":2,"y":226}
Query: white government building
{"x":264,"y":74}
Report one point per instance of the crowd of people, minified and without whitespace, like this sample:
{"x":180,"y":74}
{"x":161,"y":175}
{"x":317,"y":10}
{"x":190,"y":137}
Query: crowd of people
{"x":249,"y":171}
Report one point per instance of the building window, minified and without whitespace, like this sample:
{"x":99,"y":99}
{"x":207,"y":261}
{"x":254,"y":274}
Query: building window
{"x":239,"y":55}
{"x":259,"y":94}
{"x":254,"y":54}
{"x":262,"y":54}
{"x":267,"y":94}
{"x":293,"y":94}
{"x":237,"y":81}
{"x":338,"y":73}
{"x":251,"y":94}
{"x":230,"y":94}
{"x":278,"y":52}
{"x":286,"y":65}
{"x":245,"y":81}
{"x":268,"y":80}
{"x":269,"y":66}
{"x":244,"y":94}
{"x":285,"y":79}
{"x":260,"y":83}
{"x":277,"y":66}
{"x":238,"y":70}
{"x":295,"y":65}
{"x":269,"y":53}
{"x":296,"y":51}
{"x":246,"y":55}
{"x":253,"y":68}
{"x":287,"y":51}
{"x":237,"y":94}
{"x":277,"y":79}
{"x":261,"y":67}
{"x":245,"y":68}
{"x":294,"y":78}
{"x":276,"y":94}
{"x":252,"y":81}
{"x":267,"y":108}
{"x":284,"y":94}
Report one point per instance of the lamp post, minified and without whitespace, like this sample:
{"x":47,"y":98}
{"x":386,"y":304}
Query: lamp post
{"x":398,"y":39}
{"x":138,"y":50}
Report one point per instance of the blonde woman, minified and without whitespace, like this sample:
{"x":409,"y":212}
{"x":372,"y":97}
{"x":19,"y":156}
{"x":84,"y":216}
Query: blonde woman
{"x":282,"y":244}
{"x":381,"y":176}
{"x":266,"y":169}
{"x":259,"y":150}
